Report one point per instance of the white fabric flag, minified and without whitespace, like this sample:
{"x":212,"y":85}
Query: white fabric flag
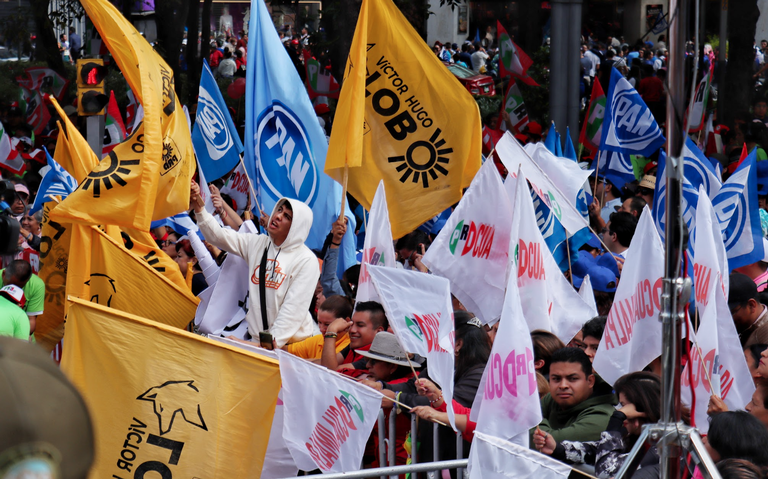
{"x":471,"y":251}
{"x":566,"y":175}
{"x":419,"y":310}
{"x":507,"y":400}
{"x":494,"y":458}
{"x":6,"y":150}
{"x":378,"y":248}
{"x":328,"y":418}
{"x":632,"y":336}
{"x":514,"y":157}
{"x":205,"y":191}
{"x":229,"y":297}
{"x":717,"y":358}
{"x":238,"y":188}
{"x":278,"y":462}
{"x":549,"y":301}
{"x":587,"y":293}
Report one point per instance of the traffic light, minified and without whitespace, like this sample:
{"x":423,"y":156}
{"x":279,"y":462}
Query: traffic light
{"x":91,"y":99}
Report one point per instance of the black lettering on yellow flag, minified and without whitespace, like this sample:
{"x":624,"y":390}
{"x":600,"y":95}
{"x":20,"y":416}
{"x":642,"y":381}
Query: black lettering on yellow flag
{"x":165,"y":402}
{"x":147,"y":176}
{"x":404,"y":118}
{"x":54,"y":258}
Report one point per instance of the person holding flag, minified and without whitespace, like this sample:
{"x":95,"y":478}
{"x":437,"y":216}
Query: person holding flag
{"x":284,"y":272}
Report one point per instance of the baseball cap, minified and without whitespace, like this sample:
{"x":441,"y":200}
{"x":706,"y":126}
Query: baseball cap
{"x":385,"y":347}
{"x":741,"y":289}
{"x":22,"y":189}
{"x":602,"y":279}
{"x":14,"y":294}
{"x":321,"y":109}
{"x":608,"y":261}
{"x":581,"y":266}
{"x":45,"y":421}
{"x":533,"y":128}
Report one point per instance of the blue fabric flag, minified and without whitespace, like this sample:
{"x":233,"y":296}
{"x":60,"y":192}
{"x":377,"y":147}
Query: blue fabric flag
{"x":56,"y":182}
{"x":629,"y":126}
{"x":699,"y":170}
{"x":285,"y":146}
{"x":570,"y":151}
{"x":658,"y":209}
{"x":214,"y":136}
{"x":348,"y":253}
{"x":180,"y":223}
{"x":616,"y":167}
{"x":555,"y":234}
{"x":739,"y":214}
{"x":436,"y":224}
{"x":552,"y":139}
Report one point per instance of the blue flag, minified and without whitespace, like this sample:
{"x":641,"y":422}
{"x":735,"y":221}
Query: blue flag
{"x":570,"y":151}
{"x":629,"y":126}
{"x":739,"y":214}
{"x":698,"y":170}
{"x":616,"y":167}
{"x":436,"y":224}
{"x":214,"y":136}
{"x":552,"y":140}
{"x":56,"y":182}
{"x":658,"y":209}
{"x":554,"y":233}
{"x":180,"y":223}
{"x":285,"y":146}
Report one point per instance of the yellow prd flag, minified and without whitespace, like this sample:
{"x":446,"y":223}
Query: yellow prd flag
{"x":421,"y":129}
{"x":54,"y":256}
{"x":102,"y":271}
{"x":147,"y":176}
{"x":75,"y":155}
{"x":167,"y":403}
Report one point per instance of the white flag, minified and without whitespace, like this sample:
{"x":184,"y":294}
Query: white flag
{"x":6,"y":150}
{"x":549,"y":301}
{"x":238,"y":188}
{"x":419,"y":310}
{"x":723,"y":364}
{"x":378,"y":248}
{"x":632,"y":336}
{"x":494,"y":458}
{"x":567,"y":176}
{"x":471,"y":251}
{"x":229,"y":297}
{"x":514,"y":157}
{"x":328,"y":418}
{"x":587,"y":293}
{"x":507,"y":401}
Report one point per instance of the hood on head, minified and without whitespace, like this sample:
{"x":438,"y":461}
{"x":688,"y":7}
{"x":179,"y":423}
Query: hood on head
{"x":300,"y":226}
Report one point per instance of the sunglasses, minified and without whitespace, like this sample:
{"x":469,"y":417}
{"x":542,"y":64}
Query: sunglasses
{"x":644,"y":191}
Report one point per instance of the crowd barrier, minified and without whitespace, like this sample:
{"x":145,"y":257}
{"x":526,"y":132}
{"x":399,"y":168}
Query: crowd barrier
{"x":394,"y":471}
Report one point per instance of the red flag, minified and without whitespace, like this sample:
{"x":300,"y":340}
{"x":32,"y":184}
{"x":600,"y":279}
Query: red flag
{"x":114,"y":129}
{"x":592,"y":129}
{"x":512,"y":60}
{"x":734,"y":166}
{"x":319,"y":80}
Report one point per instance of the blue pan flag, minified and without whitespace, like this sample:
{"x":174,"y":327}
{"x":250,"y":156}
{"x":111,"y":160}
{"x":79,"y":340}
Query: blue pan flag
{"x":56,"y":182}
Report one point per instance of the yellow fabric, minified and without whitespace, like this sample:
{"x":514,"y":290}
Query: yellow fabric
{"x":312,"y":348}
{"x":147,"y":176}
{"x":102,"y":271}
{"x":190,"y":274}
{"x":143,"y":381}
{"x":421,"y":131}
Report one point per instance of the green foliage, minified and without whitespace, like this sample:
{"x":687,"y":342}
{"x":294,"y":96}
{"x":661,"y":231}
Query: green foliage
{"x":15,"y":29}
{"x":488,"y":104}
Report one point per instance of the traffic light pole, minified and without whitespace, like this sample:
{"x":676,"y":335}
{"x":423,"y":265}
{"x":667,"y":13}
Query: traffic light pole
{"x":95,"y":133}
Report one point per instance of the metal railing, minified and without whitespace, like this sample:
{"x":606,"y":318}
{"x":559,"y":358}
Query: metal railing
{"x":394,"y":471}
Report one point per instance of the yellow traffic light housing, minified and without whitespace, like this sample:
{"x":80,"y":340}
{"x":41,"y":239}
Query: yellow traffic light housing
{"x":91,"y":99}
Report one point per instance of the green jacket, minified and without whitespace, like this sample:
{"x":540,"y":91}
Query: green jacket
{"x":583,"y":422}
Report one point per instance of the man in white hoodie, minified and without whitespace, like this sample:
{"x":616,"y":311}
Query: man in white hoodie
{"x":291,"y":271}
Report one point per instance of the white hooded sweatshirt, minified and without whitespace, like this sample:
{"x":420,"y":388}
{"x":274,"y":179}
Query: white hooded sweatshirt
{"x":291,"y":276}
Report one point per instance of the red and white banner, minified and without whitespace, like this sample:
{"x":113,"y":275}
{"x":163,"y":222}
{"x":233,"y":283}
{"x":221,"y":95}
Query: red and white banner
{"x":328,"y":418}
{"x":419,"y":310}
{"x":238,"y":188}
{"x":717,"y":364}
{"x":549,"y":301}
{"x":472,"y":250}
{"x":507,"y":402}
{"x":378,"y":248}
{"x":632,"y":336}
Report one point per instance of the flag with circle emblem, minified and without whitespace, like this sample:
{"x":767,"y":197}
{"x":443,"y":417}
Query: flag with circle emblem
{"x":404,"y":118}
{"x":147,"y":176}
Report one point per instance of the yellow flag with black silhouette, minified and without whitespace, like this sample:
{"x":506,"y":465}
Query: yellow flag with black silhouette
{"x":102,"y":271}
{"x":165,"y":402}
{"x":147,"y":176}
{"x":402,"y":117}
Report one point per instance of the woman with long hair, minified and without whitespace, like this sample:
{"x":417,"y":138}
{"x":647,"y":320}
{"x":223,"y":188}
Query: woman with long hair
{"x":640,"y":403}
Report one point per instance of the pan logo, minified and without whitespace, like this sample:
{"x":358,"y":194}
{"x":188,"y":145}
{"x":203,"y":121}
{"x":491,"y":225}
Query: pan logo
{"x":213,"y":125}
{"x":287,"y":165}
{"x":632,"y":126}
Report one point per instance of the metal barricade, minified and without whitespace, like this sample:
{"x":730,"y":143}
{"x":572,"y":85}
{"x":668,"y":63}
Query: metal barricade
{"x":392,"y":439}
{"x":396,"y":470}
{"x":382,"y":455}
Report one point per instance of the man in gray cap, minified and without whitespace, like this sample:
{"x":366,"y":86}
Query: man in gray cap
{"x":749,"y":315}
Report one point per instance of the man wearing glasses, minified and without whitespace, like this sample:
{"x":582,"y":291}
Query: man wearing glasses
{"x":749,"y":315}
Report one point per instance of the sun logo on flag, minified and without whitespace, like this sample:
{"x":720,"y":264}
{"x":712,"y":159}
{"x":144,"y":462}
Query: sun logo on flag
{"x":423,"y":160}
{"x":112,"y":171}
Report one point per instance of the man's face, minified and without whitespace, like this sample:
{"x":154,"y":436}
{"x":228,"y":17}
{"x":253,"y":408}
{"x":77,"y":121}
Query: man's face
{"x":590,"y":346}
{"x":577,"y":341}
{"x":751,"y":363}
{"x":762,"y":202}
{"x":745,"y":314}
{"x":362,"y":332}
{"x":761,"y":108}
{"x":609,"y":237}
{"x":569,"y":385}
{"x":756,"y":406}
{"x":324,"y":319}
{"x":380,"y":370}
{"x":280,"y":224}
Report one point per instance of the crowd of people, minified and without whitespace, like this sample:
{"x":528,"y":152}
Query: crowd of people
{"x":314,"y":315}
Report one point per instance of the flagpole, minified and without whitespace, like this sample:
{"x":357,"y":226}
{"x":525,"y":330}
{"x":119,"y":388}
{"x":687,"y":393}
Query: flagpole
{"x":568,"y":251}
{"x":250,"y":184}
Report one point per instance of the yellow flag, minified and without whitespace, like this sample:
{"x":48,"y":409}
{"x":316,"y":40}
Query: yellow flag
{"x":102,"y":271}
{"x":147,"y":176}
{"x":421,"y":131}
{"x":167,"y":403}
{"x":75,"y":155}
{"x":54,"y":256}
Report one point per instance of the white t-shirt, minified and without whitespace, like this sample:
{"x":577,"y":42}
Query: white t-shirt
{"x":478,"y":60}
